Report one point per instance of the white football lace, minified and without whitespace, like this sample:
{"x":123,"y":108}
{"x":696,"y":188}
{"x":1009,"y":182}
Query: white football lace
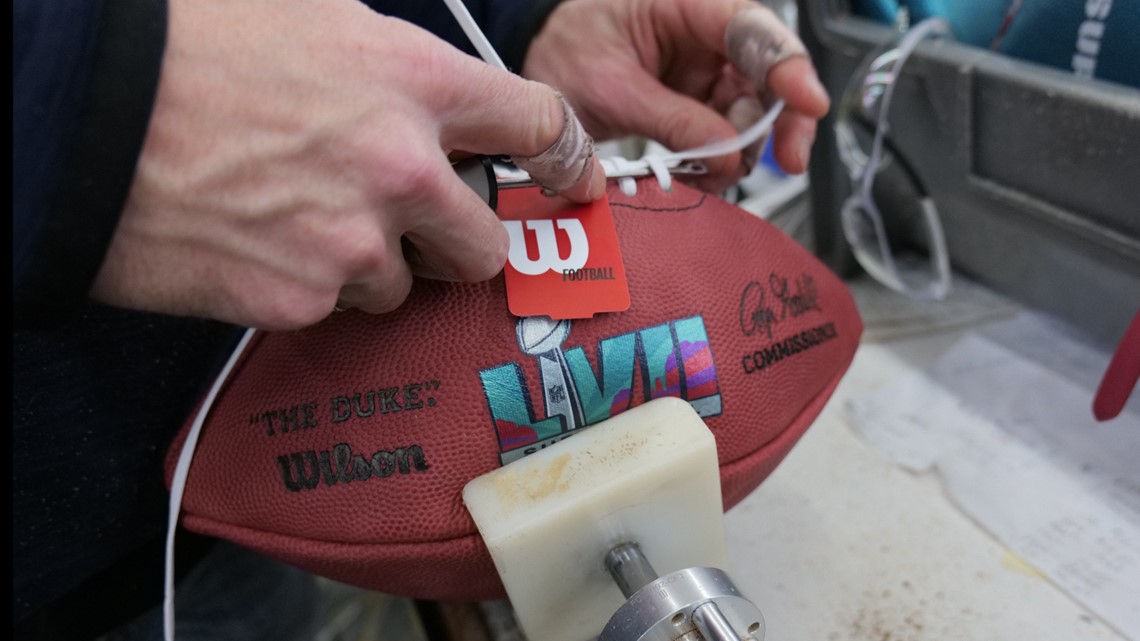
{"x":660,"y":164}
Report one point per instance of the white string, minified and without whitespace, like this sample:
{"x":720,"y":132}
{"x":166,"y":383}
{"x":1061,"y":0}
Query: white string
{"x":660,"y":171}
{"x":659,"y":164}
{"x":747,"y":137}
{"x":475,"y":34}
{"x":178,"y":484}
{"x":621,"y":167}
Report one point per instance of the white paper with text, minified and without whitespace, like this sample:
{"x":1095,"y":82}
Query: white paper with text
{"x":1018,"y":450}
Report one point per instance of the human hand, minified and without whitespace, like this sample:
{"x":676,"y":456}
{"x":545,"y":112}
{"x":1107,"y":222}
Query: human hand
{"x":297,"y":159}
{"x":660,"y":69}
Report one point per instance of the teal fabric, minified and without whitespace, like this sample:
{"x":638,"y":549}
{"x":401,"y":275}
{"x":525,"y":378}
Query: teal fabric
{"x":886,"y":11}
{"x":1093,"y":38}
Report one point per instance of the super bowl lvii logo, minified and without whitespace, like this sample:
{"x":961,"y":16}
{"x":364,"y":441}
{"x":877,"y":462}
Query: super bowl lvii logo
{"x":674,"y":359}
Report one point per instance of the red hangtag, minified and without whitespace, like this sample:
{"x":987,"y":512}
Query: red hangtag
{"x":564,"y":259}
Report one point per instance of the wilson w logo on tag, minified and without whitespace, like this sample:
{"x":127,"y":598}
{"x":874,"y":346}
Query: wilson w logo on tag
{"x":549,"y":258}
{"x":564,"y":260}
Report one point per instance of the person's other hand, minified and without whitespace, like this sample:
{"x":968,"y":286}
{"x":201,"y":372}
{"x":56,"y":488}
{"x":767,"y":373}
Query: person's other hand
{"x":297,"y":159}
{"x":660,"y":69}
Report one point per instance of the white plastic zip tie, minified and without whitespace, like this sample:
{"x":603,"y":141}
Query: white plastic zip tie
{"x":746,"y":137}
{"x":628,"y":186}
{"x":621,"y":168}
{"x":659,"y":164}
{"x":475,"y":34}
{"x":660,"y":171}
{"x":178,"y":483}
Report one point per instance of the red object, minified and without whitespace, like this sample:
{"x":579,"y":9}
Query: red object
{"x":344,"y":448}
{"x":1121,"y":376}
{"x":574,"y":272}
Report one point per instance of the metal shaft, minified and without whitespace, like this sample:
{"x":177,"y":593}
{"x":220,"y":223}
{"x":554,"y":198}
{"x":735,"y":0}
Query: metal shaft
{"x":629,"y":568}
{"x":712,"y":623}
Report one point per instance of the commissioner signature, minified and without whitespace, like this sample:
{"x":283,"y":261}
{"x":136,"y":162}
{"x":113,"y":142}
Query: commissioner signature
{"x":762,"y":306}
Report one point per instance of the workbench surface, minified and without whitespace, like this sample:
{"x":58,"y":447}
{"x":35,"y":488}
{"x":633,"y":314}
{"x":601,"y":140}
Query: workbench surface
{"x":842,"y":544}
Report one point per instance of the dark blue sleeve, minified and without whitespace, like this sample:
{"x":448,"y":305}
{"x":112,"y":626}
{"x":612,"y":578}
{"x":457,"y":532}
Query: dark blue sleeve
{"x":84,"y":77}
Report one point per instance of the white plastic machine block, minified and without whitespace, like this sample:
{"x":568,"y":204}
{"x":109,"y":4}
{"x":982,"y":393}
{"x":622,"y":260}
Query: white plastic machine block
{"x":649,"y":476}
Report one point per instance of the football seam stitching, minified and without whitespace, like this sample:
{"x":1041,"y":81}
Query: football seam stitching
{"x":647,"y":208}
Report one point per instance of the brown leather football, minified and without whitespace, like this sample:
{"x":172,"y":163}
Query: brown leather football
{"x":344,"y":448}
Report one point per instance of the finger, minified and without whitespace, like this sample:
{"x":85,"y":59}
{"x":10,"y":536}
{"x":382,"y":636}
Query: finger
{"x":796,"y":82}
{"x":591,"y":185}
{"x":708,"y":21}
{"x":569,"y":165}
{"x":499,"y":113}
{"x":729,"y":87}
{"x":381,"y":289}
{"x":453,"y":235}
{"x":755,"y":41}
{"x":794,"y":135}
{"x":767,"y":52}
{"x":433,"y":225}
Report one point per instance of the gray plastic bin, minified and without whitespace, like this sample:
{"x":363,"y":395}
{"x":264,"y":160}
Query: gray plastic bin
{"x":1036,"y":172}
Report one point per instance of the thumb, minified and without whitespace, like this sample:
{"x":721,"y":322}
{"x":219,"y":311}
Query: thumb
{"x":487,"y":110}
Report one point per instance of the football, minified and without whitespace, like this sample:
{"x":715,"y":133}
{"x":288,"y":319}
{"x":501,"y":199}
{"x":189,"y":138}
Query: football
{"x":344,"y":448}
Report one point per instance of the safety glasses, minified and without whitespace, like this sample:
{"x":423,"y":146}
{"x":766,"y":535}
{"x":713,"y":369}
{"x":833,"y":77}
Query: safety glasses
{"x":870,"y":92}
